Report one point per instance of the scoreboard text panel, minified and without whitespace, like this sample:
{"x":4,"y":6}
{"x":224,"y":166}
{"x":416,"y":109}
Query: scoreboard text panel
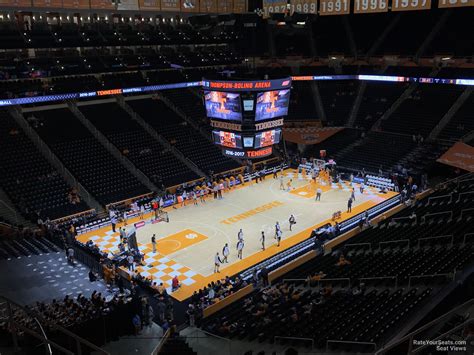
{"x":304,"y":6}
{"x":410,"y":5}
{"x":455,"y":3}
{"x":334,"y":7}
{"x":370,"y":6}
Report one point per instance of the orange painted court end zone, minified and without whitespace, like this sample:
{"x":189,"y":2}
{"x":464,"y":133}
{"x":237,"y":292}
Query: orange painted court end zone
{"x":177,"y":241}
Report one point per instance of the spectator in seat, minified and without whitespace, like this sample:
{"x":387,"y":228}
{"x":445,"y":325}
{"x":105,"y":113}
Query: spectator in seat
{"x":343,"y":261}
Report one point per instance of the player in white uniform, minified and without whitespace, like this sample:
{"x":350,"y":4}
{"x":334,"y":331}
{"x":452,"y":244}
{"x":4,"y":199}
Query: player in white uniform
{"x":225,"y":253}
{"x":240,"y":235}
{"x":240,"y":248}
{"x":277,"y":228}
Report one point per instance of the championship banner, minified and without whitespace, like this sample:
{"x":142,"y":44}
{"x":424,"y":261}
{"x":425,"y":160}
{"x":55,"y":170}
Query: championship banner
{"x":102,"y":4}
{"x":304,"y":6}
{"x":16,"y":3}
{"x":170,"y":5}
{"x":460,"y":155}
{"x":76,"y":4}
{"x":208,"y":6}
{"x":334,"y":7}
{"x":149,"y":5}
{"x":240,"y":6}
{"x":309,"y":135}
{"x":48,"y":3}
{"x":411,"y":5}
{"x":273,"y":7}
{"x":370,"y":6}
{"x":455,"y":3}
{"x":127,"y":5}
{"x":190,"y":5}
{"x":224,"y":6}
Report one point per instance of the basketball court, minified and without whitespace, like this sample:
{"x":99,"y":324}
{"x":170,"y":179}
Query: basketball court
{"x":186,"y":246}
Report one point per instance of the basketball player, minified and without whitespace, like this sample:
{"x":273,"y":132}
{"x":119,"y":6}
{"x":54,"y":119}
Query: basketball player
{"x":240,"y":235}
{"x":277,"y":228}
{"x":225,"y":253}
{"x":278,"y":237}
{"x":275,"y":174}
{"x":292,"y":221}
{"x":288,"y":184}
{"x":195,"y":198}
{"x":318,"y":194}
{"x":217,"y":262}
{"x":262,"y":240}
{"x":240,"y":248}
{"x":201,"y":196}
{"x":353,"y":197}
{"x":184,"y":195}
{"x":282,"y":185}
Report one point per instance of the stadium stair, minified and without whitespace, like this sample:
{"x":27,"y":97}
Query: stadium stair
{"x":139,"y":175}
{"x":451,"y":113}
{"x":9,"y":213}
{"x":44,"y":149}
{"x":159,"y":138}
{"x":409,"y":90}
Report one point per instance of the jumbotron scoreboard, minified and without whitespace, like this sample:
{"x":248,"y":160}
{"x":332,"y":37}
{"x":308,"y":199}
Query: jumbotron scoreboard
{"x":247,"y":116}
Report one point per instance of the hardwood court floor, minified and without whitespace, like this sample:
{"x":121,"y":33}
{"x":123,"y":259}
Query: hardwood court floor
{"x":186,"y":246}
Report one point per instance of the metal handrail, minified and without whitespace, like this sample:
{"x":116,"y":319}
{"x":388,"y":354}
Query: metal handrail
{"x":350,"y":342}
{"x":410,"y":336}
{"x":295,"y":338}
{"x":459,"y":326}
{"x":359,"y":244}
{"x":158,"y":347}
{"x":48,"y":346}
{"x":464,"y":193}
{"x":437,"y":197}
{"x":404,"y":217}
{"x":423,"y":218}
{"x":395,"y":241}
{"x":464,"y":239}
{"x":78,"y":340}
{"x":438,"y":237}
{"x":336,"y":279}
{"x":381,"y":278}
{"x":466,"y":210}
{"x":453,"y":275}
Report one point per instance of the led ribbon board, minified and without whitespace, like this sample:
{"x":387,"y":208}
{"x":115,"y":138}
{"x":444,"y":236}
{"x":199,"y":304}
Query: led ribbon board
{"x":256,"y":86}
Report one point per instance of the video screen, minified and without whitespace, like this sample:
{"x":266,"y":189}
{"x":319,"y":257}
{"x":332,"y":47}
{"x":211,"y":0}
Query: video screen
{"x":272,"y":104}
{"x":223,"y":105}
{"x":227,"y":139}
{"x":267,"y":138}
